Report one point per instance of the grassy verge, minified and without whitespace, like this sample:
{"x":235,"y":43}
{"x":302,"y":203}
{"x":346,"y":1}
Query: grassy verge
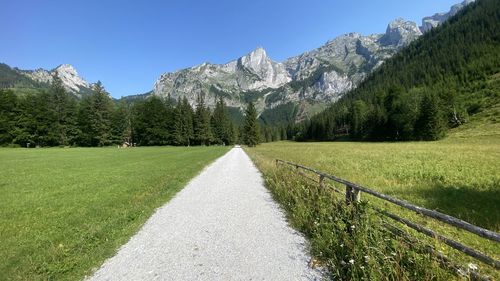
{"x":458,"y":176}
{"x":64,"y":211}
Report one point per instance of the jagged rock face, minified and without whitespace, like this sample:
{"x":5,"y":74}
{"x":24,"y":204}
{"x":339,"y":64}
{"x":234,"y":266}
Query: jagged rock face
{"x":429,"y":23}
{"x":72,"y":82}
{"x":400,"y":33}
{"x":321,"y":75}
{"x":252,"y":72}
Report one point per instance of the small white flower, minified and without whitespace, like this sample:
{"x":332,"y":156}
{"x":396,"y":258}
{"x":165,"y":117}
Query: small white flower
{"x":362,"y":267}
{"x":393,"y":253}
{"x":341,"y":245}
{"x":342,"y":263}
{"x":367,"y":258}
{"x":351,"y":261}
{"x":472,"y":266}
{"x":353,"y":227}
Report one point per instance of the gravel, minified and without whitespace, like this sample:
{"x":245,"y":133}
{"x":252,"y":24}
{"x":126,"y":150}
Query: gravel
{"x":224,"y":225}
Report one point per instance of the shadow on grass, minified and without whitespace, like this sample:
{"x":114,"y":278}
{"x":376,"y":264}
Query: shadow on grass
{"x":479,"y":207}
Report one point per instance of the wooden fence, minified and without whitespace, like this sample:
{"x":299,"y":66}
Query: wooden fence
{"x":353,"y":193}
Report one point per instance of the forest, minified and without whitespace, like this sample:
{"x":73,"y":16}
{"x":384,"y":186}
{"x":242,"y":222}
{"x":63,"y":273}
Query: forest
{"x":53,"y":117}
{"x":434,"y":84}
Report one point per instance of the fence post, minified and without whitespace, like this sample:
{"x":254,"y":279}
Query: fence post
{"x":352,"y":195}
{"x":321,"y":181}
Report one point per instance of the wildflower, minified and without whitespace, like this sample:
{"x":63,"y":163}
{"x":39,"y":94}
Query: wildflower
{"x":472,"y":266}
{"x":341,"y":245}
{"x":362,"y":267}
{"x":353,"y":227}
{"x":342,"y":263}
{"x":393,"y":253}
{"x":351,"y":261}
{"x":367,"y":258}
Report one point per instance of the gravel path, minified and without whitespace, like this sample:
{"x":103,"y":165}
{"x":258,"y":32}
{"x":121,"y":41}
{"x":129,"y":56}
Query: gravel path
{"x":223,"y":225}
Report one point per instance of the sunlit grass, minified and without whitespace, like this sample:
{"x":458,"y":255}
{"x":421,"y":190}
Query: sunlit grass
{"x":63,"y":211}
{"x":459,"y":176}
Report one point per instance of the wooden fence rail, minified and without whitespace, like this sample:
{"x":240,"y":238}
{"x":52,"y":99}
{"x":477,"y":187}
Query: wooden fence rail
{"x":353,"y":193}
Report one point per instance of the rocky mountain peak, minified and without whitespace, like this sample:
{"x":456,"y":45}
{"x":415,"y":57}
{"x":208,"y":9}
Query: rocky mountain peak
{"x":400,"y":32}
{"x":72,"y":81}
{"x":255,"y":59}
{"x":430,"y":22}
{"x":68,"y":68}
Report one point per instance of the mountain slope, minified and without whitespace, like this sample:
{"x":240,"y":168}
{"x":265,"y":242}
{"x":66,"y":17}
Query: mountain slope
{"x":453,"y":65}
{"x":319,"y":76}
{"x":23,"y":81}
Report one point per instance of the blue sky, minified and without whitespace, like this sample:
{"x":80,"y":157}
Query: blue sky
{"x":128,"y":44}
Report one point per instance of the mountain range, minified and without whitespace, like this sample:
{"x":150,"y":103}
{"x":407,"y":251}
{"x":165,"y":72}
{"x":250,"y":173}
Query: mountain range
{"x":301,"y":84}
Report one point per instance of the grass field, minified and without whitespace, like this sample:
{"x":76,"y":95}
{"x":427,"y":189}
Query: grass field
{"x":64,"y":211}
{"x":459,"y":175}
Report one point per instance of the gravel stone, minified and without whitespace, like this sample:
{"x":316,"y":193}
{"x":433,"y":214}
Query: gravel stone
{"x":224,"y":225}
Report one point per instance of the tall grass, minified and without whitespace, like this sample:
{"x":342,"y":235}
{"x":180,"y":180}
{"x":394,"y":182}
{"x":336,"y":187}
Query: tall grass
{"x":456,"y":176}
{"x":349,"y":240}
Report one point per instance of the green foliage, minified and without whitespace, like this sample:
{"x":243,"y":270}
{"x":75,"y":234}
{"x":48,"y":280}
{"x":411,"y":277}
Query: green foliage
{"x":430,"y":125}
{"x":150,"y":122}
{"x":251,"y":126}
{"x":8,"y":112}
{"x":222,"y":127}
{"x":202,"y":129}
{"x":66,"y":210}
{"x":94,"y":118}
{"x":183,"y":123}
{"x":450,"y":63}
{"x":280,"y":115}
{"x":64,"y":107}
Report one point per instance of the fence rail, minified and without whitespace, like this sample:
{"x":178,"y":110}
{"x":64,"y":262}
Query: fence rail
{"x":353,"y":193}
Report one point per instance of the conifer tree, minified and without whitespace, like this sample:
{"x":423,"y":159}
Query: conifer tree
{"x":95,"y":118}
{"x":183,"y":116}
{"x":64,"y":108}
{"x":8,"y":116}
{"x":251,"y":134}
{"x":431,"y":124}
{"x":202,"y":128}
{"x":121,"y":126}
{"x":221,"y":125}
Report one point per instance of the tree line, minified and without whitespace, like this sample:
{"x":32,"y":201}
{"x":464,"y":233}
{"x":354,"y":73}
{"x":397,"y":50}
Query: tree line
{"x":435,"y":83}
{"x":56,"y":118}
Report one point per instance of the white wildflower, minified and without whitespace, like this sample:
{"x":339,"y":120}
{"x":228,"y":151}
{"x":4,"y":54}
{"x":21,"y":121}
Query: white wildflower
{"x":353,"y":227}
{"x":341,"y":245}
{"x":367,"y":258}
{"x":472,"y":266}
{"x":351,"y":261}
{"x":362,"y":267}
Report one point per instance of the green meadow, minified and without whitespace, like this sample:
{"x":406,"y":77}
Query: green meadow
{"x":459,"y":176}
{"x":65,"y":210}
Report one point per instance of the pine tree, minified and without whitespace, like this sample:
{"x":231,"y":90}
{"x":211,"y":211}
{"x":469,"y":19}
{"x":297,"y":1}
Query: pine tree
{"x":64,"y":108}
{"x":251,"y":134}
{"x":8,"y":116}
{"x":221,"y":125}
{"x":431,"y":124}
{"x":121,"y":126}
{"x":183,"y":116}
{"x":202,"y":128}
{"x":149,"y":122}
{"x":94,"y":118}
